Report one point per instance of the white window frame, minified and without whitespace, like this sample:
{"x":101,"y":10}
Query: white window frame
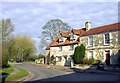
{"x":89,"y":41}
{"x":105,"y":39}
{"x":72,"y":37}
{"x":58,"y":58}
{"x":89,"y":56}
{"x":60,"y":48}
{"x":71,"y":47}
{"x":61,"y":39}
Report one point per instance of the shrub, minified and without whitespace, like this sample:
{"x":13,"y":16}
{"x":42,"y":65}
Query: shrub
{"x":41,"y":56}
{"x":99,"y":62}
{"x":88,"y":61}
{"x":52,"y":60}
{"x":79,"y":54}
{"x":11,"y":59}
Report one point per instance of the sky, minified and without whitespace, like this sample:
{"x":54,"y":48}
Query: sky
{"x":29,"y":17}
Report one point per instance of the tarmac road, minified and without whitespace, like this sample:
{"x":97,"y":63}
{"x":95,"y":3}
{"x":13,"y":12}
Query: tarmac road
{"x":43,"y":74}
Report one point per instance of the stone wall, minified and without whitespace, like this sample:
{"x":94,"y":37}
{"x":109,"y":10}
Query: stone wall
{"x":98,"y":45}
{"x":65,"y":52}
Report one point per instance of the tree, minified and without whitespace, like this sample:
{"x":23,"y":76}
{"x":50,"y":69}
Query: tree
{"x":79,"y":54}
{"x":50,"y":31}
{"x":43,"y":44}
{"x":41,"y":55}
{"x":6,"y":29}
{"x":4,"y":55}
{"x":24,"y":47}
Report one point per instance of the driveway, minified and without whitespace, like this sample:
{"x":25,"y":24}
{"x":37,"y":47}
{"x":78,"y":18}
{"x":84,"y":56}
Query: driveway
{"x":43,"y":74}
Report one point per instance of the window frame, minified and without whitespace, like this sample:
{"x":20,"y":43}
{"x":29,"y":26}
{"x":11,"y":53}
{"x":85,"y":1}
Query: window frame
{"x":61,"y":39}
{"x":72,"y":37}
{"x":91,"y":56}
{"x":71,"y":47}
{"x":60,"y":48}
{"x":90,"y":41}
{"x":107,"y":41}
{"x":58,"y":58}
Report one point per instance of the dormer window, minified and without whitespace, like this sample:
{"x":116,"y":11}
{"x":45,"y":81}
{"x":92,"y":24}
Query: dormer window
{"x":72,"y":37}
{"x":61,"y":39}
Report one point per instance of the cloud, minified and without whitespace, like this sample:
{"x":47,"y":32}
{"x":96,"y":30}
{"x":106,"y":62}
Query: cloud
{"x":29,"y":18}
{"x":33,"y":16}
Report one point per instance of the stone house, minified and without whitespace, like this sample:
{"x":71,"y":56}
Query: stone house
{"x":102,"y":43}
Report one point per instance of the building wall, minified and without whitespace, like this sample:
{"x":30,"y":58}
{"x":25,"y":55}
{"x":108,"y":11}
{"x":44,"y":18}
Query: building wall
{"x":99,"y":48}
{"x":65,"y":52}
{"x":47,"y":57}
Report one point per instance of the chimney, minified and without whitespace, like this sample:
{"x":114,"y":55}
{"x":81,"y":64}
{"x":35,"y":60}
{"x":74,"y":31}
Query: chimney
{"x":60,"y":33}
{"x":88,"y":26}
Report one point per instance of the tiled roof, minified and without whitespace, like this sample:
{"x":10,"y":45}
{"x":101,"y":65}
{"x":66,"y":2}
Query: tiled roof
{"x":65,"y":34}
{"x":83,"y":32}
{"x":102,"y":29}
{"x":55,"y":41}
{"x":67,"y":42}
{"x":79,"y":31}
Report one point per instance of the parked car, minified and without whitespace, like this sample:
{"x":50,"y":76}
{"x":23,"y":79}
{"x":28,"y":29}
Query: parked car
{"x":19,"y":60}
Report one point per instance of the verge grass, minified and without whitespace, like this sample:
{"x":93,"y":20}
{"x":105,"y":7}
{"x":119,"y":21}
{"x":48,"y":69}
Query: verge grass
{"x":21,"y":73}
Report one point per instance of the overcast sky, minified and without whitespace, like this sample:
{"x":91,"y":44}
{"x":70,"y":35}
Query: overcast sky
{"x":29,"y":17}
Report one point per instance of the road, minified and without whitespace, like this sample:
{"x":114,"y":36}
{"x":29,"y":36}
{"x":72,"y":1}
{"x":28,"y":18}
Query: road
{"x":44,"y":74}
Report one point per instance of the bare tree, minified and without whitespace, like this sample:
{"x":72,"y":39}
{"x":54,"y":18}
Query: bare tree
{"x":50,"y":32}
{"x":6,"y":29}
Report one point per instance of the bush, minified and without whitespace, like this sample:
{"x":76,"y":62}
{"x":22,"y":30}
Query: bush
{"x":11,"y":59}
{"x":99,"y":62}
{"x":41,"y":56}
{"x":52,"y":60}
{"x":88,"y":61}
{"x":79,"y":54}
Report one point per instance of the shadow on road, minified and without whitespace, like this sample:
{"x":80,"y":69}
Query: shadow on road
{"x":79,"y":76}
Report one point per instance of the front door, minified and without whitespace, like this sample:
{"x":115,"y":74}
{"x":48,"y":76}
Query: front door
{"x":107,"y":57}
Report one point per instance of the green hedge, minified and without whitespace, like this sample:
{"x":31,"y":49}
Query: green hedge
{"x":79,"y":54}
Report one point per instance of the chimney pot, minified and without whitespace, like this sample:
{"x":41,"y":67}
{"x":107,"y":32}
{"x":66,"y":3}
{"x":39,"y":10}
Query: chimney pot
{"x":88,"y":26}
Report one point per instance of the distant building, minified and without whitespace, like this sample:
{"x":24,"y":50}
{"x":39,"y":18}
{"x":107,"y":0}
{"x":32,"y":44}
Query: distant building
{"x":102,"y":43}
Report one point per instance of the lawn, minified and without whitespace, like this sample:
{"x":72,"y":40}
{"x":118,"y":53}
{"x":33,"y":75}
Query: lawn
{"x":21,"y":73}
{"x":7,"y":70}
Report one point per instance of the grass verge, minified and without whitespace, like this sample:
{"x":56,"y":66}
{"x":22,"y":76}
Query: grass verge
{"x":7,"y":70}
{"x":21,"y":73}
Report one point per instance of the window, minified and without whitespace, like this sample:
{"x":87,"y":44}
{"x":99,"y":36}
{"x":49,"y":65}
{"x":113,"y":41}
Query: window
{"x":60,"y":48}
{"x":90,"y":43}
{"x":61,"y":39}
{"x":72,"y":37}
{"x":71,"y":47}
{"x":106,"y":39}
{"x":90,"y":55}
{"x":58,"y":58}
